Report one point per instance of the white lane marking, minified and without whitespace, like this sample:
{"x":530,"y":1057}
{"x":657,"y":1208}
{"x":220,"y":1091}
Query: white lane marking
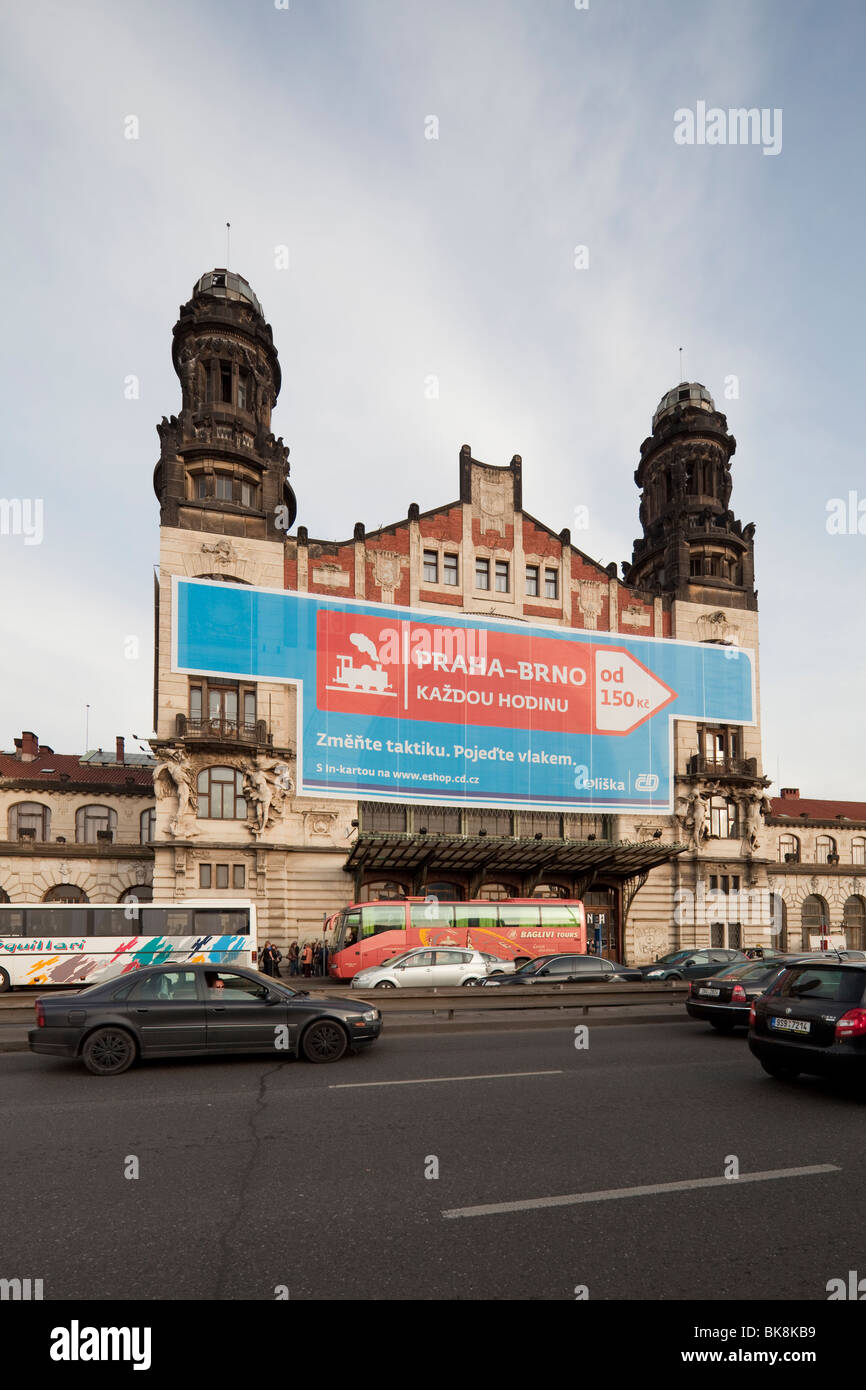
{"x":427,"y":1080}
{"x":615,"y":1193}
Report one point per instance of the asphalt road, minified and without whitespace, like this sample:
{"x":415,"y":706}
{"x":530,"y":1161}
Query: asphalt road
{"x":255,"y":1173}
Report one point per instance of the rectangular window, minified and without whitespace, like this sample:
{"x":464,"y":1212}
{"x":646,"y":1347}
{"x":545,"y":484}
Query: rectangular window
{"x":431,"y":567}
{"x":195,"y":703}
{"x":242,"y":390}
{"x":502,"y":576}
{"x":249,"y":710}
{"x":248,"y":495}
{"x":532,"y":581}
{"x":201,"y":487}
{"x":449,"y":567}
{"x":226,"y":382}
{"x":204,"y":876}
{"x":482,"y":574}
{"x":239,"y":876}
{"x":224,"y":487}
{"x":222,"y":875}
{"x":551,"y":583}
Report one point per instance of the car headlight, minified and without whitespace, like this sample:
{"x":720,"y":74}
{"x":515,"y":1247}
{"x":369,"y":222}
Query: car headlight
{"x":371,"y":1015}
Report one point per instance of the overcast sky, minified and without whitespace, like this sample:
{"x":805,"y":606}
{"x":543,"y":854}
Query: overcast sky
{"x":454,"y":257}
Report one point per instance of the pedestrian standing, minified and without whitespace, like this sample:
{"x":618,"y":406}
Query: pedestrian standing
{"x":307,"y":959}
{"x":270,"y":960}
{"x":317,"y":959}
{"x":293,"y":958}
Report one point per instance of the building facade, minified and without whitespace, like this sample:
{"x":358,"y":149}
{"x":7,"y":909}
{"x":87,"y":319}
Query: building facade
{"x":75,"y":828}
{"x":228,"y":819}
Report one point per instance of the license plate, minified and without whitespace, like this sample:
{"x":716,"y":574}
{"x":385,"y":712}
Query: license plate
{"x":714,"y":992}
{"x":790,"y":1025}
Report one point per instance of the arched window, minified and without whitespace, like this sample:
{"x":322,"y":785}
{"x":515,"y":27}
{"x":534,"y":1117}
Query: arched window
{"x":383,"y":888}
{"x":495,"y":892}
{"x":66,"y":893}
{"x":789,"y":849}
{"x":147,"y":825}
{"x":723,"y":818}
{"x":138,"y":893}
{"x":29,"y":820}
{"x":854,"y":922}
{"x":858,"y":850}
{"x":826,"y":846}
{"x":94,"y":823}
{"x":221,"y":794}
{"x":815,"y":919}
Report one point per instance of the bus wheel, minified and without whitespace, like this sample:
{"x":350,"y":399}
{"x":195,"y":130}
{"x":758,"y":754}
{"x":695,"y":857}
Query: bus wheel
{"x":5,"y":982}
{"x":108,"y":1052}
{"x":324,"y":1041}
{"x":385,"y":984}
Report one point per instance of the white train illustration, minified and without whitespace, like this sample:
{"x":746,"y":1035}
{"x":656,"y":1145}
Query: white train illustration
{"x":370,"y":678}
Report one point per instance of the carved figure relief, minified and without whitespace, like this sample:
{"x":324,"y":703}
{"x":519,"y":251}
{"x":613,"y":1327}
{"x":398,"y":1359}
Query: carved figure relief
{"x":175,"y":777}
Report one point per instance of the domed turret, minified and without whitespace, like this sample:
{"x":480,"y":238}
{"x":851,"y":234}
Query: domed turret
{"x":692,"y":545}
{"x":221,"y":469}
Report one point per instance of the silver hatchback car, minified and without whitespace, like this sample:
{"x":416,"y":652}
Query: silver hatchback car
{"x":446,"y":966}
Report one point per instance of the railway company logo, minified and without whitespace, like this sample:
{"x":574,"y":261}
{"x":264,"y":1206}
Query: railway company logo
{"x":646,"y":782}
{"x":369,"y":678}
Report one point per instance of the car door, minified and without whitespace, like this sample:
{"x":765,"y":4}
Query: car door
{"x":416,"y":971}
{"x":698,"y":963}
{"x":449,"y":968}
{"x":168,"y":1013}
{"x":239,"y":1018}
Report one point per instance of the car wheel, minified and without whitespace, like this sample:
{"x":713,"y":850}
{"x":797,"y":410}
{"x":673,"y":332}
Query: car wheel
{"x":672,"y":977}
{"x":109,"y":1051}
{"x":5,"y":982}
{"x":472,"y":981}
{"x":494,"y":974}
{"x":385,"y":984}
{"x":780,"y":1072}
{"x":324,"y":1041}
{"x":721,"y":1026}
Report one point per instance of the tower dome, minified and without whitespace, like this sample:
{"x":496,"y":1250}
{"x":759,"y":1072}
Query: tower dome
{"x":690,"y":393}
{"x":225,"y":284}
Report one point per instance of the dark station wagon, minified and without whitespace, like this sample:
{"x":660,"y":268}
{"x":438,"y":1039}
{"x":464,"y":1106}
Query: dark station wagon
{"x":195,"y":1010}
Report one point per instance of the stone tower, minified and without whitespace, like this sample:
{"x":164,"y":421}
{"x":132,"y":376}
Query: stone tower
{"x":692,"y":545}
{"x":221,"y":469}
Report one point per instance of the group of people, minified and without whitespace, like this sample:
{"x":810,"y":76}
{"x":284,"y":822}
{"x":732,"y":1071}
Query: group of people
{"x":309,"y":959}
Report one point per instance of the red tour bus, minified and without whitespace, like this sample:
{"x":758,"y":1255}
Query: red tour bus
{"x":517,"y":929}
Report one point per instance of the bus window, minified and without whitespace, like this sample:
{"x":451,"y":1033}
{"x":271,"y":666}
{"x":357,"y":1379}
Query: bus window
{"x":13,"y":923}
{"x":211,"y":921}
{"x":481,"y":915}
{"x":75,"y":921}
{"x":432,"y":914}
{"x":111,"y":921}
{"x":517,"y":915}
{"x":558,"y":915}
{"x":382,"y":917}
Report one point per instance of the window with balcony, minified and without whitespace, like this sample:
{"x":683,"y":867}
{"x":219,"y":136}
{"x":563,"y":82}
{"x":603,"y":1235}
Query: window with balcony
{"x":450,"y":573}
{"x":789,"y":849}
{"x":221,"y":794}
{"x":825,"y":850}
{"x":222,"y":709}
{"x":431,"y":567}
{"x":29,"y":820}
{"x":95,"y":824}
{"x":719,"y":745}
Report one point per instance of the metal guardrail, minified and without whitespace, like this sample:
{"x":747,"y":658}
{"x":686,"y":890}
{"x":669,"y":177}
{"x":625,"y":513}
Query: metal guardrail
{"x":506,"y":998}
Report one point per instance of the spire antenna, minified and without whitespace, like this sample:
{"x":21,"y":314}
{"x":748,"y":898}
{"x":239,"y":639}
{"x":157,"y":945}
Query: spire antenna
{"x":682,"y":378}
{"x":228,"y":243}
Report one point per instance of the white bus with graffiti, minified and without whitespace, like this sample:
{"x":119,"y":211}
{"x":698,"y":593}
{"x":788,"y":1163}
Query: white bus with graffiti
{"x":80,"y":943}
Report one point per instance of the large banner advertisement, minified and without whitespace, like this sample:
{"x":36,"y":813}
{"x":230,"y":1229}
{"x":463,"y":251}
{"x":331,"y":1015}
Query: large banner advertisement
{"x":407,"y":705}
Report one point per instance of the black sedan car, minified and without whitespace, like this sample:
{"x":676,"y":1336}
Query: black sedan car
{"x":813,"y":1019}
{"x":565,"y":970}
{"x":691,"y":963}
{"x":724,"y":1000}
{"x":191,"y":1010}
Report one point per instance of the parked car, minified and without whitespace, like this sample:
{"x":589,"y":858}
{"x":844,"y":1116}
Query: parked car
{"x":689,"y":964}
{"x":813,"y":1019}
{"x":444,"y":967}
{"x":498,"y":966}
{"x":567,"y":969}
{"x":724,"y":999}
{"x":192,"y":1010}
